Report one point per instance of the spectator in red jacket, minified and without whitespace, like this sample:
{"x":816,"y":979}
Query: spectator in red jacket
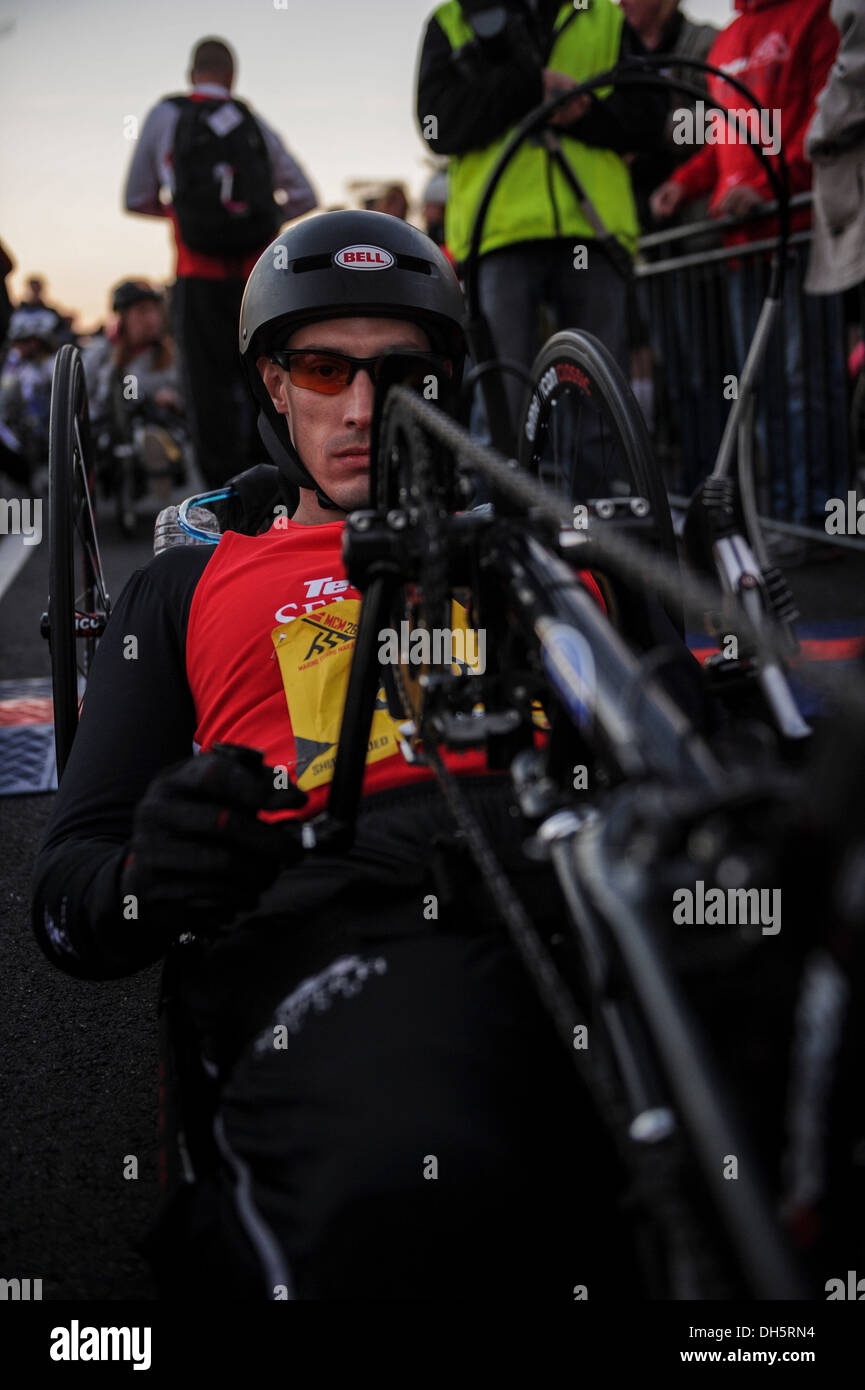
{"x":782,"y":50}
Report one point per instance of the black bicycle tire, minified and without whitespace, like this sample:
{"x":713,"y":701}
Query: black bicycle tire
{"x":612,"y":392}
{"x":68,"y":406}
{"x":61,"y":589}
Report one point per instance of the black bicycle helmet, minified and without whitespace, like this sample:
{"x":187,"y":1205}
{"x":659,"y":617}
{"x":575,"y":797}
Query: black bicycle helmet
{"x":130,"y":292}
{"x":343,"y":265}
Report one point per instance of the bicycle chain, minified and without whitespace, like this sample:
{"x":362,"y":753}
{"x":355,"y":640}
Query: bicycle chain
{"x":431,"y":524}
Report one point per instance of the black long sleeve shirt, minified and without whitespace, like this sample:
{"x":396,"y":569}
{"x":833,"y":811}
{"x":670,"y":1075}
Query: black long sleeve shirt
{"x":487,"y":88}
{"x":133,"y":725}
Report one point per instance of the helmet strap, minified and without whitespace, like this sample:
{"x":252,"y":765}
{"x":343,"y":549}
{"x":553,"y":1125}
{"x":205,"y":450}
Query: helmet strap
{"x":326,"y":502}
{"x":289,"y":463}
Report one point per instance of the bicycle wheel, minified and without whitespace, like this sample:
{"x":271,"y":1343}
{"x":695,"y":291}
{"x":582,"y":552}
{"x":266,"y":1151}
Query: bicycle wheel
{"x":583,"y":433}
{"x":78,"y":602}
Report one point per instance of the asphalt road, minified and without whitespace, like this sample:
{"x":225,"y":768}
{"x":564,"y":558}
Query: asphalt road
{"x":78,"y":1080}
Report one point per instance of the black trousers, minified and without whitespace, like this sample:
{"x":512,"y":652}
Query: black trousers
{"x":220,"y":413}
{"x":515,"y":281}
{"x":404,"y":1123}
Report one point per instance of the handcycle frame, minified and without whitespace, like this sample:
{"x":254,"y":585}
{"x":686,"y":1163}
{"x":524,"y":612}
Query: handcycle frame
{"x":645,"y":737}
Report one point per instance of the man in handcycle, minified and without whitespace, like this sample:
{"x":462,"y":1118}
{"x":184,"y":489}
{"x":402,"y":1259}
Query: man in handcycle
{"x":389,"y":1111}
{"x":394,"y":1116}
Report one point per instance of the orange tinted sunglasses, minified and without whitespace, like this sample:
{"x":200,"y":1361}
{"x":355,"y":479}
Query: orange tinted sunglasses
{"x":331,"y":372}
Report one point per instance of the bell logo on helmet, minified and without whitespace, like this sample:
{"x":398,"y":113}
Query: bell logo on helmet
{"x":363,"y":258}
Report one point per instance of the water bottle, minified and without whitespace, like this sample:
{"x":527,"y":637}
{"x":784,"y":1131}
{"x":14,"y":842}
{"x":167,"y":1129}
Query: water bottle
{"x":168,"y":531}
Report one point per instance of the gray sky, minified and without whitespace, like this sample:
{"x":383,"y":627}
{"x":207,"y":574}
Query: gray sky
{"x":334,"y":77}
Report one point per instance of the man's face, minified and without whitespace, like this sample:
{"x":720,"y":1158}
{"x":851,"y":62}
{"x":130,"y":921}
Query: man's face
{"x":331,"y":433}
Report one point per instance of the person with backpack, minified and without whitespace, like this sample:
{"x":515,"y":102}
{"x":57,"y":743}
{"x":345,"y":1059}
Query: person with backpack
{"x":232,"y":185}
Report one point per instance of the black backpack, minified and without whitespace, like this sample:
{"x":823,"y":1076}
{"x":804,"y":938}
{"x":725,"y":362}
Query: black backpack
{"x":223,"y":185}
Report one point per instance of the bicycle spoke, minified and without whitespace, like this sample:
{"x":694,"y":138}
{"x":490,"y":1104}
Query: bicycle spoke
{"x":605,"y":483}
{"x":97,"y":565}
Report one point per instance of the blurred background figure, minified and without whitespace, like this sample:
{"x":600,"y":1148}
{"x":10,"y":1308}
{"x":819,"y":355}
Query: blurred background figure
{"x":25,"y":394}
{"x":374,"y":197}
{"x":7,"y":265}
{"x":35,"y":302}
{"x":34,"y":297}
{"x":666,"y":30}
{"x":232,"y":184}
{"x":393,"y":201}
{"x":836,"y":144}
{"x":136,"y":407}
{"x":139,"y":349}
{"x":481,"y":70}
{"x":434,"y":200}
{"x":782,"y":50}
{"x":692,"y":400}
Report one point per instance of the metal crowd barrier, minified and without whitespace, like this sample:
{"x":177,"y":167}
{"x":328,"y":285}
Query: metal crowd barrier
{"x":696,"y":307}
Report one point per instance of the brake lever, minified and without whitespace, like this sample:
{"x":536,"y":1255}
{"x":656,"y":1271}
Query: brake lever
{"x":715,"y":537}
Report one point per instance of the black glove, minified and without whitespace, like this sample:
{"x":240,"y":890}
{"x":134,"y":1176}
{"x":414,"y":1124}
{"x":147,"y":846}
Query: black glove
{"x":199,"y":855}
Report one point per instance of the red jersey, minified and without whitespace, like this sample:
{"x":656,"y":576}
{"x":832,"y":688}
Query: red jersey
{"x":782,"y":50}
{"x":268,"y":650}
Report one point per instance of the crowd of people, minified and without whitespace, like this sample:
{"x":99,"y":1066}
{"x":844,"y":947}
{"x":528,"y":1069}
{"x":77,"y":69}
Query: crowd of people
{"x":226,"y":181}
{"x":31,"y":333}
{"x":636,"y":173}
